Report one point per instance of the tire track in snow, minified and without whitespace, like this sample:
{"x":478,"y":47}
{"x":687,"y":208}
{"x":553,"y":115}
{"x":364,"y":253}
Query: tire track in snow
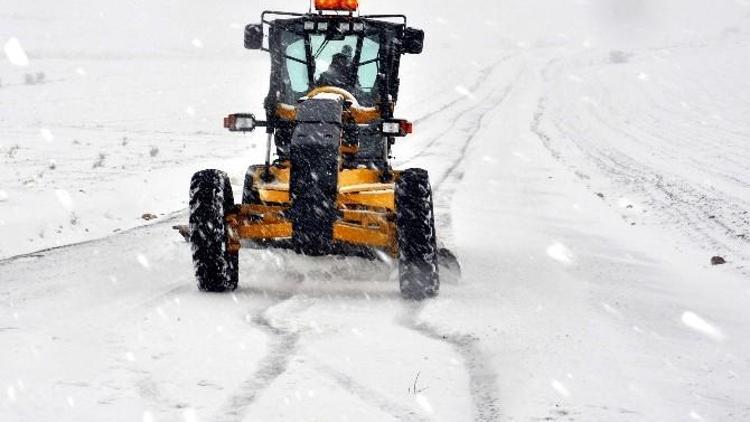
{"x":282,"y":346}
{"x":172,"y":217}
{"x":484,"y":75}
{"x":436,"y":140}
{"x":716,"y":219}
{"x":703,"y":200}
{"x":283,"y":342}
{"x":701,"y":211}
{"x":445,"y":186}
{"x":482,"y":377}
{"x":370,"y":396}
{"x":483,"y":385}
{"x":166,"y":220}
{"x":432,"y":142}
{"x":474,"y":131}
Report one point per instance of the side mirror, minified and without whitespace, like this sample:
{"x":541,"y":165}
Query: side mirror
{"x":413,"y":41}
{"x":254,"y":37}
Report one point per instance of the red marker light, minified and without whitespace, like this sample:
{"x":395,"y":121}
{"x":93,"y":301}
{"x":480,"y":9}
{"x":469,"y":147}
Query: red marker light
{"x":407,"y":127}
{"x":348,"y":5}
{"x":230,"y":121}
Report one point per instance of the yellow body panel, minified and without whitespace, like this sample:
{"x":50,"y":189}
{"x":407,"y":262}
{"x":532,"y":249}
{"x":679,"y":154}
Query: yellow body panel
{"x":364,"y":115}
{"x":358,"y":235}
{"x":286,"y":112}
{"x":366,"y":204}
{"x":351,"y":177}
{"x":351,"y":182}
{"x":274,"y":196}
{"x":377,"y":199}
{"x":265,"y":231}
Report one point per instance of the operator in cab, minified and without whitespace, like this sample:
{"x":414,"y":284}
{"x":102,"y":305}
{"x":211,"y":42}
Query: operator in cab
{"x":340,"y":72}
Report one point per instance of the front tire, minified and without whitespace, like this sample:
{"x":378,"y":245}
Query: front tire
{"x":211,"y":198}
{"x":419,"y":276}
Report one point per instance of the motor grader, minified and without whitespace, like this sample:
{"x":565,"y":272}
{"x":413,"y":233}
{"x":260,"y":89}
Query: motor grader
{"x":329,"y":118}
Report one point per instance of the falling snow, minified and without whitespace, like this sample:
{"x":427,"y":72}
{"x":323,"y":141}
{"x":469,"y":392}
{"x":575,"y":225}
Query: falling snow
{"x":560,"y":388}
{"x":15,"y":53}
{"x":47,"y":135}
{"x":560,"y":253}
{"x":424,"y":403}
{"x":701,"y":325}
{"x":64,"y":199}
{"x":584,"y":174}
{"x":143,"y":261}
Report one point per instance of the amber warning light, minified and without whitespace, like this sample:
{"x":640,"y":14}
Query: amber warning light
{"x":349,"y":5}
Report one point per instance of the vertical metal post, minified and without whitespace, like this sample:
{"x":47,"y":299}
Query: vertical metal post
{"x":269,"y":142}
{"x":386,"y":175}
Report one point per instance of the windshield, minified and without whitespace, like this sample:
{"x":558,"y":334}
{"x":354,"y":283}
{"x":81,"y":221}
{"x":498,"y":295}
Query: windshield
{"x":351,"y":63}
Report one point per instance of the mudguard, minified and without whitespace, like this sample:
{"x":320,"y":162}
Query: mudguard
{"x":314,"y":175}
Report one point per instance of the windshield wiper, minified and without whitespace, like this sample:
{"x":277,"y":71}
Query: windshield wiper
{"x":321,"y":48}
{"x":294,"y":59}
{"x":368,"y":61}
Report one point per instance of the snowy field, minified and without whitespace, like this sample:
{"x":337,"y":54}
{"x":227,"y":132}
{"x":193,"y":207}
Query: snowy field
{"x":589,"y":159}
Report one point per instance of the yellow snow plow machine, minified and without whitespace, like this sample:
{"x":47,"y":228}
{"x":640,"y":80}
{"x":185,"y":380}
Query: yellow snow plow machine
{"x":331,"y":189}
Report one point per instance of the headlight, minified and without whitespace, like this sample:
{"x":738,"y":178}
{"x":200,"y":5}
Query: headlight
{"x":391,"y":128}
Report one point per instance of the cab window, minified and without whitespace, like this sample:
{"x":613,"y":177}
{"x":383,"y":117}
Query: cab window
{"x":333,"y":62}
{"x":296,"y":65}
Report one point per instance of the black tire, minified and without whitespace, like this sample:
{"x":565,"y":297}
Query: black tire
{"x":211,"y":197}
{"x":250,"y":195}
{"x":313,"y":188}
{"x":419,"y":276}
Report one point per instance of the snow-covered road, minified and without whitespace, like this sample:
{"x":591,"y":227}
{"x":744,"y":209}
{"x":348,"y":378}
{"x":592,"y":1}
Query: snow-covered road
{"x":585,"y":174}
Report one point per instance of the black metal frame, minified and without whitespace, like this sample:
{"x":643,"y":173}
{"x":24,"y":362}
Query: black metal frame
{"x":391,"y":35}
